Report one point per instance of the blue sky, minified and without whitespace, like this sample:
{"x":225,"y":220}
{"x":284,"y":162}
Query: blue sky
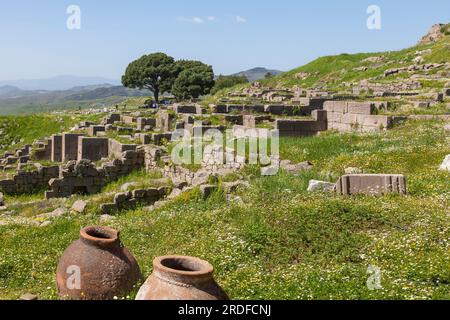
{"x":231,"y":35}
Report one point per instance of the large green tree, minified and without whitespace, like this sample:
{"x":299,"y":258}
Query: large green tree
{"x":155,"y":72}
{"x":194,"y":80}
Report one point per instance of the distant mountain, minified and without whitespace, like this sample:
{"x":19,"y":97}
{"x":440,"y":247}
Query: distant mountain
{"x":12,"y":96}
{"x":64,"y":82}
{"x":256,"y":74}
{"x":106,"y":92}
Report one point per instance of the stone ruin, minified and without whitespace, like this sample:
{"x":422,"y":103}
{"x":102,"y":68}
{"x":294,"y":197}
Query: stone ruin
{"x":83,"y":177}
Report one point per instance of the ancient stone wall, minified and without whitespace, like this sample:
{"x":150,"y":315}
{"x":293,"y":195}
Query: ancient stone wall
{"x":93,"y":149}
{"x":70,"y":146}
{"x":355,"y":116}
{"x":300,"y":127}
{"x":146,"y":123}
{"x":129,"y":200}
{"x":116,"y":149}
{"x":56,"y":155}
{"x":42,"y":150}
{"x":29,"y":181}
{"x":82,"y":177}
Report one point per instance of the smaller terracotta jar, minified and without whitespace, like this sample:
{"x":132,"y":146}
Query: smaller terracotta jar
{"x":96,"y":267}
{"x":181,"y":278}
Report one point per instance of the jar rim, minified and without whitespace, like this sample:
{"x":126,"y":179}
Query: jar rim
{"x":183,"y":266}
{"x":99,"y":235}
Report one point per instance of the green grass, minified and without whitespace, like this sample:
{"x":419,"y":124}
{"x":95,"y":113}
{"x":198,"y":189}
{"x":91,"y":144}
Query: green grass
{"x":18,"y":131}
{"x":282,"y":242}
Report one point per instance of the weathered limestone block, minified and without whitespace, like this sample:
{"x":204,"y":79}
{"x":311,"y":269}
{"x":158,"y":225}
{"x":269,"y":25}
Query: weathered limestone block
{"x":219,"y":108}
{"x":164,"y":121}
{"x":321,"y":186}
{"x":294,"y":128}
{"x":158,"y":138}
{"x":234,"y":119}
{"x":56,"y":155}
{"x":371,"y":184}
{"x":235,"y":108}
{"x":144,"y":138}
{"x":366,"y":108}
{"x":85,"y":124}
{"x":116,"y":149}
{"x":109,"y":208}
{"x":93,"y":149}
{"x":186,"y":109}
{"x":279,"y":110}
{"x":127,"y":119}
{"x":93,"y":130}
{"x":112,"y":118}
{"x":70,"y":146}
{"x":336,"y":106}
{"x":143,"y":123}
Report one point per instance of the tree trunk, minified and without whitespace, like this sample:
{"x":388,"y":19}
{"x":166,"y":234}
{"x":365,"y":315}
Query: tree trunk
{"x":156,"y":95}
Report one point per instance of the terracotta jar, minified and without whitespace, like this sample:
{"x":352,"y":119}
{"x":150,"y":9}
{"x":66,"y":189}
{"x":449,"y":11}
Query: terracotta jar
{"x":96,"y":267}
{"x":181,"y":278}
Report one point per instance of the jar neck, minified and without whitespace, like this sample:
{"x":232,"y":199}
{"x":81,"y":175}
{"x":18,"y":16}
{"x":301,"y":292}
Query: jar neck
{"x":101,"y":237}
{"x":181,"y":270}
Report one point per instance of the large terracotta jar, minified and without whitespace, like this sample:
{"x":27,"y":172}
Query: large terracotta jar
{"x":181,"y":278}
{"x":96,"y":267}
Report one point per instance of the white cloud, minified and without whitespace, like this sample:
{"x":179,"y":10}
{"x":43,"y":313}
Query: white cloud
{"x":197,"y":20}
{"x":211,"y":18}
{"x":240,"y":19}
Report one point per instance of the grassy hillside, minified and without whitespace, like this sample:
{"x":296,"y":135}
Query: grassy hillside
{"x":279,"y":242}
{"x":17,"y":131}
{"x":333,"y":71}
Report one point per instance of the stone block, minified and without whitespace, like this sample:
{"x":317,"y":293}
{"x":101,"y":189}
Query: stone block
{"x":336,"y":106}
{"x":207,"y":190}
{"x":234,"y":119}
{"x":120,"y":198}
{"x":254,"y":108}
{"x":139,"y":193}
{"x":279,"y":110}
{"x":93,"y":149}
{"x":371,"y":184}
{"x":142,"y":123}
{"x":321,"y":186}
{"x":360,"y":108}
{"x":56,"y":152}
{"x":70,"y":146}
{"x":127,"y":119}
{"x":108,"y":208}
{"x":93,"y":130}
{"x":186,"y":109}
{"x":220,"y":109}
{"x":235,"y":108}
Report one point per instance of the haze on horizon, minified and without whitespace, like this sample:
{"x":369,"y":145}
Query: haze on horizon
{"x":232,"y":36}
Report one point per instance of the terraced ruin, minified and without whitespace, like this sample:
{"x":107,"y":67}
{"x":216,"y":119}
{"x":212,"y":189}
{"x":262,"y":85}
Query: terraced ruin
{"x":361,"y":178}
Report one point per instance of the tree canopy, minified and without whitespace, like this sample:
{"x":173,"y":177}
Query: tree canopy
{"x":155,"y":72}
{"x":160,"y":73}
{"x":193,"y":82}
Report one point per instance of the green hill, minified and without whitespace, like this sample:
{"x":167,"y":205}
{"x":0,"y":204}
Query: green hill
{"x":334,"y":72}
